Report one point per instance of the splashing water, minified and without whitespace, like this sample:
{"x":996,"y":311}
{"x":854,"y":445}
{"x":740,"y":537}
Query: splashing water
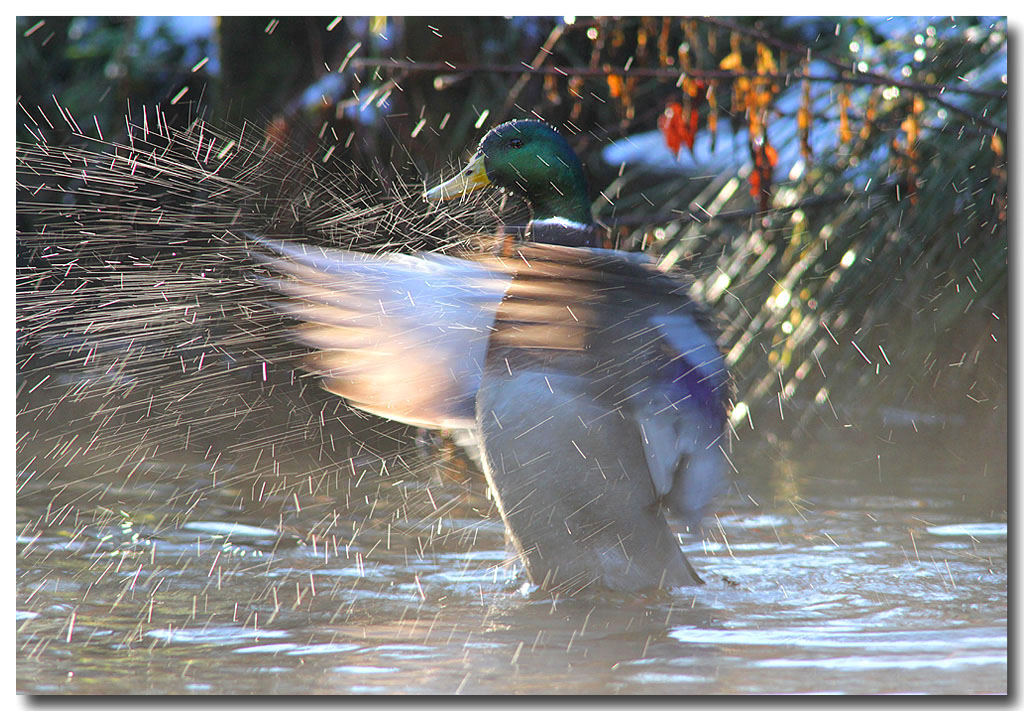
{"x":141,"y":329}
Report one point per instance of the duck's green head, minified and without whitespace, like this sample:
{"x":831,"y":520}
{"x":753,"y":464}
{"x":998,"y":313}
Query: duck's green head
{"x":532,"y":159}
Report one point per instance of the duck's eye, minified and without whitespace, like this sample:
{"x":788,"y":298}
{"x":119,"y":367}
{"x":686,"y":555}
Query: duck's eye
{"x":515,"y":142}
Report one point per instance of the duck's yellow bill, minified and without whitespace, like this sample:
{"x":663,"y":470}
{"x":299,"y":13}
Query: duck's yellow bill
{"x":472,"y":177}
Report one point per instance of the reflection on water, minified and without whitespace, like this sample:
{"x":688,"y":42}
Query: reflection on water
{"x":845,"y":567}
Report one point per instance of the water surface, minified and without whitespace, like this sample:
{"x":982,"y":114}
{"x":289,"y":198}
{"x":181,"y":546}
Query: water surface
{"x":853,"y":565}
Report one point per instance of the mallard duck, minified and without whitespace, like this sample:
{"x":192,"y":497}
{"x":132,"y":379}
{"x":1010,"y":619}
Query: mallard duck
{"x":590,"y":379}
